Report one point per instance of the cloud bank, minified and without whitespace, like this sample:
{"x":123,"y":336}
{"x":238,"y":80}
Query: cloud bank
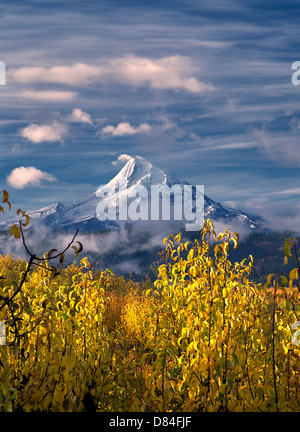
{"x":172,"y":72}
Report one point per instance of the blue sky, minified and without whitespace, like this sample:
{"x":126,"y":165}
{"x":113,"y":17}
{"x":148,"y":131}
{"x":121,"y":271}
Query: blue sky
{"x":201,"y":89}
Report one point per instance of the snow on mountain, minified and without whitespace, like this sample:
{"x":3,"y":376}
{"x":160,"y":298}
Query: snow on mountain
{"x":136,"y":174}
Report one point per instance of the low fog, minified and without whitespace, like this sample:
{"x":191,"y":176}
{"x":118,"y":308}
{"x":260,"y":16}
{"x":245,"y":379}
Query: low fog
{"x":125,"y":251}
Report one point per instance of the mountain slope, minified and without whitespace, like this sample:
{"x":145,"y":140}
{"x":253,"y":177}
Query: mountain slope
{"x":136,"y":174}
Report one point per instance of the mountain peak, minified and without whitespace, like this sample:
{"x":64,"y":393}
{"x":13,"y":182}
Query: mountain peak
{"x":135,"y":173}
{"x":138,"y":171}
{"x":136,"y":164}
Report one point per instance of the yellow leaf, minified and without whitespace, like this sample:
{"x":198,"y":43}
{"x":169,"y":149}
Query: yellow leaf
{"x":5,"y":196}
{"x":17,"y":232}
{"x":12,"y":228}
{"x":294,"y":274}
{"x":27,"y":220}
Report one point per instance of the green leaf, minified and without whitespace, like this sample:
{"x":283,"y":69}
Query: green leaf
{"x":284,"y":281}
{"x":287,"y":247}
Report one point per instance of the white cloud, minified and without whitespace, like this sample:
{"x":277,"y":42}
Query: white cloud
{"x":125,"y":129}
{"x":25,"y":176}
{"x":154,"y":130}
{"x":79,"y":116}
{"x":55,"y":131}
{"x":77,"y":74}
{"x":172,"y":72}
{"x":48,"y":95}
{"x":38,"y":133}
{"x":122,"y":158}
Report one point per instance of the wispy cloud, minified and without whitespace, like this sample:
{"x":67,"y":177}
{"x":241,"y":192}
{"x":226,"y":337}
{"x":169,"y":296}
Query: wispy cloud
{"x":281,"y":147}
{"x":28,"y":176}
{"x":122,"y":158}
{"x":293,"y":191}
{"x":180,"y":52}
{"x":77,"y":74}
{"x":48,"y":95}
{"x":172,"y":72}
{"x":79,"y":116}
{"x":125,"y":128}
{"x":37,"y":134}
{"x":278,"y":217}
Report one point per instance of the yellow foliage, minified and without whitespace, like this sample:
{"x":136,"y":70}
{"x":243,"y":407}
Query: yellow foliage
{"x":222,"y":342}
{"x":136,"y":312}
{"x":203,"y":338}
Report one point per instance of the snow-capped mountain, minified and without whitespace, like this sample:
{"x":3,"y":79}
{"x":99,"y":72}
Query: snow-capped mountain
{"x":137,"y":174}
